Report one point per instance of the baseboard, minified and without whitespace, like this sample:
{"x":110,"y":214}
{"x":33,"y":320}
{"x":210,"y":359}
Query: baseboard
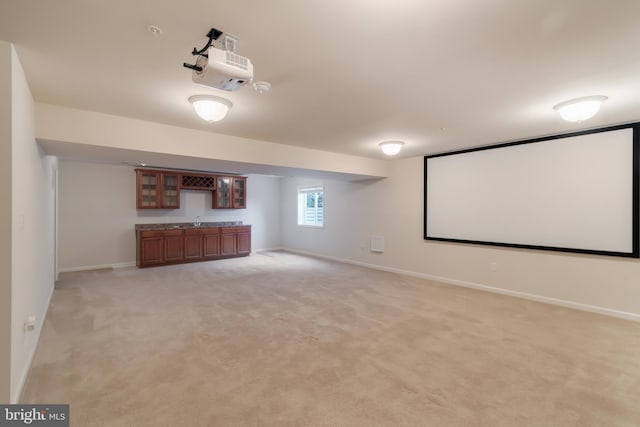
{"x":539,"y":298}
{"x":133,"y":263}
{"x":97,"y":267}
{"x":27,"y":366}
{"x":256,"y":251}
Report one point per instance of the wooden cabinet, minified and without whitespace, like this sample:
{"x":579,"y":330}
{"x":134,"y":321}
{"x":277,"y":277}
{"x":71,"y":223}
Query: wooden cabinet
{"x":173,"y":243}
{"x":239,"y":192}
{"x":148,"y":189}
{"x":193,"y":244}
{"x":160,"y":189}
{"x":244,"y":241}
{"x":150,"y":248}
{"x":236,"y":240}
{"x":228,"y":243}
{"x":157,"y":189}
{"x":222,"y":196}
{"x":231,"y":193}
{"x":159,"y":247}
{"x":211,"y":243}
{"x":170,"y":191}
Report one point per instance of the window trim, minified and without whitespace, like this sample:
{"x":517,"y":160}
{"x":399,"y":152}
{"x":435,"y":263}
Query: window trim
{"x":305,"y":190}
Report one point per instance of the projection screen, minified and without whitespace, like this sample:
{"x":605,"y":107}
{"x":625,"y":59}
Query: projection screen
{"x":576,"y":192}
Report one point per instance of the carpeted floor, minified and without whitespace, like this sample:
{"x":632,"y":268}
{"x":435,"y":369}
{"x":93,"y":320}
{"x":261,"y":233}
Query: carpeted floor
{"x":279,"y":339}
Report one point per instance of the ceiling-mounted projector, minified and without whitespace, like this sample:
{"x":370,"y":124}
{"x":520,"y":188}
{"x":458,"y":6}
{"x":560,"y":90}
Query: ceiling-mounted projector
{"x":222,"y":69}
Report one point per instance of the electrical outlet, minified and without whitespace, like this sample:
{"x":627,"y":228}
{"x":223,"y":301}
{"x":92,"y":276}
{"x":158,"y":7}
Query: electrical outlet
{"x":493,"y":266}
{"x":30,"y":324}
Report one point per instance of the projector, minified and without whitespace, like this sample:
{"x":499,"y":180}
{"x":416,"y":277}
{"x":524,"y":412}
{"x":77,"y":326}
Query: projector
{"x":222,"y":69}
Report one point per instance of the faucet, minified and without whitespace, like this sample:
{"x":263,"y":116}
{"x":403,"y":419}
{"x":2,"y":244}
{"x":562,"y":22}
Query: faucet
{"x":197,"y":221}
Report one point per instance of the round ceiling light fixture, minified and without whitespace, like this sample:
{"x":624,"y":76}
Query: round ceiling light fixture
{"x":209,"y":107}
{"x":579,"y":109}
{"x":391,"y":148}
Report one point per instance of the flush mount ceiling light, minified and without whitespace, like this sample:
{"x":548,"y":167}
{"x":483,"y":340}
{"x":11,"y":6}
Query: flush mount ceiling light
{"x":391,"y":148}
{"x":579,"y":109}
{"x":209,"y":107}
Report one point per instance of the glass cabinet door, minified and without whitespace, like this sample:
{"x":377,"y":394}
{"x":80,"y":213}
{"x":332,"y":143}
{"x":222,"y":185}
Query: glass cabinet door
{"x":170,"y":191}
{"x":239,"y":193}
{"x":148,"y":191}
{"x":223,"y":193}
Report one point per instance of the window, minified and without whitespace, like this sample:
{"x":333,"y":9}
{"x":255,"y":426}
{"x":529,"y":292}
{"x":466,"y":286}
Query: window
{"x":311,"y":206}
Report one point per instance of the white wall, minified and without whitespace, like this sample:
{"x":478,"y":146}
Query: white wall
{"x":5,"y":221}
{"x":67,"y":130}
{"x":32,"y":227}
{"x":97,"y":213}
{"x":354,"y":211}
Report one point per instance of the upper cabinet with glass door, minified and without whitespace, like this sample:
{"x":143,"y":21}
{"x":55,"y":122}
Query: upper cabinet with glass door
{"x":222,"y":196}
{"x":148,"y":189}
{"x":231,"y":193}
{"x":239,"y":192}
{"x":157,"y":190}
{"x":170,"y":191}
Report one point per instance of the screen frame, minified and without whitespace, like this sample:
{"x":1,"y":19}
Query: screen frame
{"x":635,"y":251}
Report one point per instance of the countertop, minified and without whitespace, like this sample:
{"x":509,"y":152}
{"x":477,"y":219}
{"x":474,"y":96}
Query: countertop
{"x":186,"y":225}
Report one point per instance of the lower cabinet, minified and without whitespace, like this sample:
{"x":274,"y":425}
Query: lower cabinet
{"x":192,"y":244}
{"x":211,"y":243}
{"x":236,"y":240}
{"x":150,"y":248}
{"x":158,"y":247}
{"x":243,"y":246}
{"x":173,"y":244}
{"x":228,"y":244}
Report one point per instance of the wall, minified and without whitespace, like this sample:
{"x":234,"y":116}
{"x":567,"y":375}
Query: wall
{"x":97,"y":213}
{"x":67,"y":130}
{"x":354,"y":211}
{"x":32,"y":225}
{"x":5,"y":221}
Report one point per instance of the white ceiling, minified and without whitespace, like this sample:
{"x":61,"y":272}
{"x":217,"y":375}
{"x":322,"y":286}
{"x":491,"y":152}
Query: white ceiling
{"x":345,"y":75}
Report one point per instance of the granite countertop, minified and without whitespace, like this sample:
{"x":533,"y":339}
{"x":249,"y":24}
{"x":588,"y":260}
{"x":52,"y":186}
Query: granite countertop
{"x":183,"y":225}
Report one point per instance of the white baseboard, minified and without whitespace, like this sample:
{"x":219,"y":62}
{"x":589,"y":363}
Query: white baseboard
{"x":539,"y":298}
{"x":256,"y":251}
{"x":133,"y":263}
{"x":97,"y":267}
{"x":17,"y":395}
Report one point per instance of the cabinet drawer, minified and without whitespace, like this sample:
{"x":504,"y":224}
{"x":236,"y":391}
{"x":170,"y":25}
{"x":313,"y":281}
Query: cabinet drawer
{"x":172,"y":233}
{"x":238,"y":229}
{"x":193,"y":231}
{"x":156,"y":233}
{"x":202,"y":230}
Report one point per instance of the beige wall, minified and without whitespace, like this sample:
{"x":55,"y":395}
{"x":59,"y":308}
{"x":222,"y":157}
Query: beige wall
{"x":355,"y":211}
{"x":5,"y":221}
{"x":141,"y":141}
{"x":27,"y":218}
{"x":97,"y":213}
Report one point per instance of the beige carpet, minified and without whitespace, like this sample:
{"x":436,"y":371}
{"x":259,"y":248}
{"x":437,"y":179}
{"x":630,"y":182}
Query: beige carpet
{"x":279,"y":339}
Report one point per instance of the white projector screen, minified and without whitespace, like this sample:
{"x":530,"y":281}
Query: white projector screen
{"x":573,"y":193}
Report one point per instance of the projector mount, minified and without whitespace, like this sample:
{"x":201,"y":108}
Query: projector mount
{"x":218,"y":66}
{"x":213,"y":35}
